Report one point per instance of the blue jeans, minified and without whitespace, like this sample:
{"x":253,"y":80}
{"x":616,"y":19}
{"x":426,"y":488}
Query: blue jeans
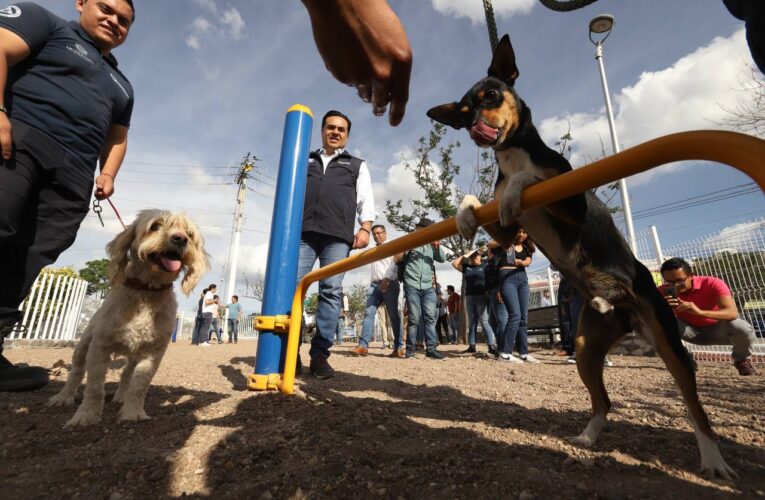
{"x":201,"y":329}
{"x":454,"y":322}
{"x":374,"y":298}
{"x":476,"y":305}
{"x":214,"y":328}
{"x":514,"y":286}
{"x":327,"y":249}
{"x":233,"y":326}
{"x":497,"y":316}
{"x":422,"y":306}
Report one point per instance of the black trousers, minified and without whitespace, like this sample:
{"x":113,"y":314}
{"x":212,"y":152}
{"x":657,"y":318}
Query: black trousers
{"x":44,"y":196}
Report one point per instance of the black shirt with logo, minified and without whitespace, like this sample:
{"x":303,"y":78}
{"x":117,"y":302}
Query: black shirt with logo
{"x":65,"y":88}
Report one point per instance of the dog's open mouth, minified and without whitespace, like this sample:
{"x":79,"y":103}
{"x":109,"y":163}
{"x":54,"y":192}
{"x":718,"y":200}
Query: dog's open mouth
{"x":483,"y":134}
{"x":169,"y":261}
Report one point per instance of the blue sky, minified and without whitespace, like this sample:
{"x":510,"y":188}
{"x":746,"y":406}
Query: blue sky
{"x":213,"y":80}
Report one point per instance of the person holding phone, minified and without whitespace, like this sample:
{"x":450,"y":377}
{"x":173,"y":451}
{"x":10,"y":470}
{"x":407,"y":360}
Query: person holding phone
{"x":706,"y":313}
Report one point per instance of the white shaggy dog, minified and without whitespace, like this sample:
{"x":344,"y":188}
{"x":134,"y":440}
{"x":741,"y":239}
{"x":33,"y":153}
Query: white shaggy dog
{"x":137,"y":317}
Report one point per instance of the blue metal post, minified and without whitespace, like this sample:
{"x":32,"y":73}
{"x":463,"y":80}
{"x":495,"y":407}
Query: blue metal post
{"x":284,"y":243}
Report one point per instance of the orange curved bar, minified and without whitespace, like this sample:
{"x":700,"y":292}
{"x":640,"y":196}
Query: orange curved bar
{"x":741,"y":151}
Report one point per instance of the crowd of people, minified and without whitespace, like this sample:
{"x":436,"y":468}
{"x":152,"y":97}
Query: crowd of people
{"x":210,"y":316}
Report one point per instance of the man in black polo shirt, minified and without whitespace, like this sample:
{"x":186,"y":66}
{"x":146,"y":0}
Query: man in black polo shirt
{"x":338,"y":190}
{"x":65,"y":107}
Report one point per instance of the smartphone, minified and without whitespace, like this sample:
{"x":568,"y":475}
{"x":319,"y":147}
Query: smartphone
{"x":670,"y":291}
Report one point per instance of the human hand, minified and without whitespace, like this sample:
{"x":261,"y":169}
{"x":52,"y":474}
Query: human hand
{"x":686,"y":307}
{"x":6,"y":136}
{"x":104,"y":186}
{"x":361,"y":240}
{"x":363,"y":44}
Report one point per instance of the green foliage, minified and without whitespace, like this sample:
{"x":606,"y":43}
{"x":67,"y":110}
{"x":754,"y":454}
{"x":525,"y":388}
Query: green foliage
{"x":357,"y":300}
{"x":96,"y":273}
{"x":311,"y":303}
{"x":441,"y":192}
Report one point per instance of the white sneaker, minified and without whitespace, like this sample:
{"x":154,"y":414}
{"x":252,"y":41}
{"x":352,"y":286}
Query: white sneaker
{"x":530,"y":359}
{"x":205,"y":344}
{"x":609,"y":362}
{"x":509,"y":357}
{"x":571,"y":359}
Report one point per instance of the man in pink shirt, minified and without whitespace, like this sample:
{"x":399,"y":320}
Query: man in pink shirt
{"x":706,"y":313}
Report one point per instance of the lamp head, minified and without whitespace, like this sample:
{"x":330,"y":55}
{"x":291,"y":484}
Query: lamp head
{"x":601,"y":25}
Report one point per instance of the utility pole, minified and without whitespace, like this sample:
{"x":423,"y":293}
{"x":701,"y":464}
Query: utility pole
{"x":233,"y":255}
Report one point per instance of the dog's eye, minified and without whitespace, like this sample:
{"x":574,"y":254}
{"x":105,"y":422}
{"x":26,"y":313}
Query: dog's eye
{"x":155,"y":226}
{"x":491,"y":95}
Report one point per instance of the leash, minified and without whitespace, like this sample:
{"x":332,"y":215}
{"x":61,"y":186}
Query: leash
{"x":97,"y":208}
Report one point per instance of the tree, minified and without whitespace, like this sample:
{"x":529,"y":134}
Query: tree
{"x":311,"y":303}
{"x":748,"y":115}
{"x":357,"y":300}
{"x":96,"y":273}
{"x":254,"y":289}
{"x":729,"y":266}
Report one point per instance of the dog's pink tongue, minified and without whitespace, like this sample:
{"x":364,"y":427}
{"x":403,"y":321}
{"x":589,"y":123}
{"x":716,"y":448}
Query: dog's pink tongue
{"x":171,"y":265}
{"x":481,"y":133}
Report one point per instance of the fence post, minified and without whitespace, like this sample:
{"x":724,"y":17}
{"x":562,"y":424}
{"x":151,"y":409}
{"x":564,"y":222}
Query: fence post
{"x":551,"y":287}
{"x":657,"y":246}
{"x":283,"y":248}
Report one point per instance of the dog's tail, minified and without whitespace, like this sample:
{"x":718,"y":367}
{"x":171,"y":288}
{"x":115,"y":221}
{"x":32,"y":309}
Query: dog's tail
{"x":646,"y":288}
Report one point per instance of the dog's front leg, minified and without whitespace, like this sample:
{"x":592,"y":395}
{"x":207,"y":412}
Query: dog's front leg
{"x":125,"y":378}
{"x":510,"y":202}
{"x":97,"y":362}
{"x":133,"y":400}
{"x":467,"y":224}
{"x":76,"y":372}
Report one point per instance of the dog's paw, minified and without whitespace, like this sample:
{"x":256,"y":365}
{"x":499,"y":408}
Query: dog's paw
{"x":601,"y":305}
{"x":580,"y":440}
{"x":713,"y":464}
{"x":84,"y":417}
{"x":466,"y":221}
{"x":510,"y":205}
{"x":61,"y":399}
{"x":133,"y":415}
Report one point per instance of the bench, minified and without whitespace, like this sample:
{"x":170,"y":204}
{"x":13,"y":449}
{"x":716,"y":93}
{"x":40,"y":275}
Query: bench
{"x":544,"y":321}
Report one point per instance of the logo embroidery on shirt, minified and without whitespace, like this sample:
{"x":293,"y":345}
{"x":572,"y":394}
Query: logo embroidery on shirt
{"x":80,"y":52}
{"x":10,"y":11}
{"x":119,"y":85}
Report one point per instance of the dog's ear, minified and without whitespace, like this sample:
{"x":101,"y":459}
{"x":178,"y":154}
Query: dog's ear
{"x":503,"y":64}
{"x":199,"y":264}
{"x":448,"y":114}
{"x":118,"y":251}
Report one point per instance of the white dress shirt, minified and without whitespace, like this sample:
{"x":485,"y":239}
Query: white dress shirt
{"x":384,"y":268}
{"x":365,"y":200}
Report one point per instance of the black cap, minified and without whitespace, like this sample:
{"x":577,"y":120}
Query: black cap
{"x":425,"y":222}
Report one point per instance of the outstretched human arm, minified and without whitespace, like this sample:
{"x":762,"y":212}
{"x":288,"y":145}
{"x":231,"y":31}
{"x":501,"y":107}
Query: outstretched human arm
{"x":112,"y":154}
{"x":363,"y":44}
{"x":12,"y":50}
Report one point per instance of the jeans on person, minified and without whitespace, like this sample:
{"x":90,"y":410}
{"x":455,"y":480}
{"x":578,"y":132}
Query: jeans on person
{"x":738,"y":333}
{"x":497,"y":316}
{"x":327,"y":249}
{"x":421,"y":305}
{"x":476,"y":305}
{"x":514,"y":287}
{"x":375,"y":297}
{"x":454,"y":322}
{"x":200,"y":334}
{"x":214,"y":328}
{"x":233,"y":329}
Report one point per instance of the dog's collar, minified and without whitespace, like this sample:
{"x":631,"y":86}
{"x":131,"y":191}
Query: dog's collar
{"x":137,"y":284}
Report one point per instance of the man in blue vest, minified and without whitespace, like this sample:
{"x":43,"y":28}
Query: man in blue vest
{"x":64,"y":107}
{"x":338,"y":192}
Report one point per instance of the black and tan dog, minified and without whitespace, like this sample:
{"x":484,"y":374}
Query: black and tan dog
{"x":578,"y":235}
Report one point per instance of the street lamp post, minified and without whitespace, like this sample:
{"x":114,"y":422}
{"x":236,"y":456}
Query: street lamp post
{"x":602,"y":25}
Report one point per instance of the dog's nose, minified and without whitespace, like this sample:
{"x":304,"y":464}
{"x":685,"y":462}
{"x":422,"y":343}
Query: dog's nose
{"x":180,"y":239}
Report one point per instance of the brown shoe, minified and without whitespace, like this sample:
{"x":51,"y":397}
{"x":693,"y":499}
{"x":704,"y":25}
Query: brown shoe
{"x":744,"y":367}
{"x":360,"y":350}
{"x":561,"y":353}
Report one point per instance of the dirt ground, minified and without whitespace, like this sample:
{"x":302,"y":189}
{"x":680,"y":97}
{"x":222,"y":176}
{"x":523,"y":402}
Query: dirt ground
{"x":466,"y":427}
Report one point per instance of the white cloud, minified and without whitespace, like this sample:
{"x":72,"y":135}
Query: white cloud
{"x":473,"y":9}
{"x":689,"y":95}
{"x":227,"y":24}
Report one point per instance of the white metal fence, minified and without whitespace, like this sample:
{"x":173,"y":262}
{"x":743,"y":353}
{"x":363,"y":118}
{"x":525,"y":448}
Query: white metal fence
{"x":186,"y":321}
{"x":52,"y":309}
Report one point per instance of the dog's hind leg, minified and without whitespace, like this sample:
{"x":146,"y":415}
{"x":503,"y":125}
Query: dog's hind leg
{"x":125,"y":378}
{"x":133,"y":400}
{"x":65,"y":397}
{"x":595,"y":334}
{"x":712,"y":462}
{"x":97,"y":362}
